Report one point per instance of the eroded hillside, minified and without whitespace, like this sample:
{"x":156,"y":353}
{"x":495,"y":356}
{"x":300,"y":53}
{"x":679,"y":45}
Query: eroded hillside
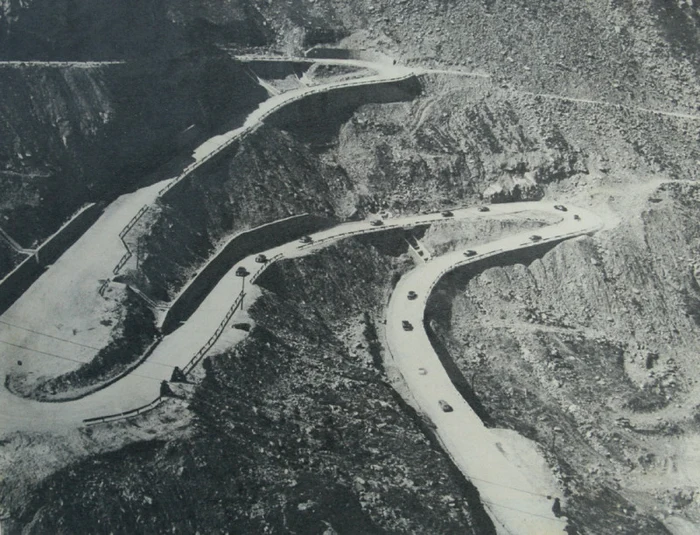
{"x":592,"y":351}
{"x":588,"y":348}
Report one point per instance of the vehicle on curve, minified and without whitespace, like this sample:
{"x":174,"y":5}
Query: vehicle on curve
{"x":446,"y":407}
{"x":407,"y":326}
{"x":484,"y":209}
{"x":469,"y":252}
{"x":305,"y":239}
{"x":577,"y":217}
{"x":261,"y":259}
{"x":376,"y":222}
{"x":412,"y":295}
{"x":447,"y":213}
{"x":535,"y":237}
{"x":241,"y":272}
{"x":560,"y":207}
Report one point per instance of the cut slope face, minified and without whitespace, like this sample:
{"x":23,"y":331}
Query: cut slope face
{"x":77,"y":134}
{"x":591,"y":351}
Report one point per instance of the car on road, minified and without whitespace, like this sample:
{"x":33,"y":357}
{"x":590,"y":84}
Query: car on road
{"x":535,"y":237}
{"x":305,"y":239}
{"x":577,"y":217}
{"x":406,"y":325}
{"x":484,"y":209}
{"x":447,"y":213}
{"x":446,"y":407}
{"x":422,"y":371}
{"x":412,"y":295}
{"x":261,"y":259}
{"x":560,"y":207}
{"x":241,"y":272}
{"x":469,"y":252}
{"x":376,"y":222}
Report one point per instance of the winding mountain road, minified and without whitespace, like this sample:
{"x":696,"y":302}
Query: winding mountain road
{"x":508,"y":470}
{"x":64,"y":302}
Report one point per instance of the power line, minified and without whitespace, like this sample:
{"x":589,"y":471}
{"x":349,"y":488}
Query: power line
{"x":73,"y":342}
{"x":509,"y":487}
{"x":48,"y":335}
{"x":70,"y":359}
{"x":523,"y":512}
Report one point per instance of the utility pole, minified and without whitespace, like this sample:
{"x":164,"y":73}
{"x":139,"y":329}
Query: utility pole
{"x":138,"y":252}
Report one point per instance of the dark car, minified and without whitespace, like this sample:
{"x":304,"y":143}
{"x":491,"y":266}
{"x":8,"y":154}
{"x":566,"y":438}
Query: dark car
{"x":446,"y":407}
{"x":469,"y":252}
{"x":484,"y":209}
{"x":577,"y":217}
{"x":412,"y":295}
{"x":261,"y":259}
{"x":535,"y":237}
{"x":406,"y":325}
{"x":241,"y":272}
{"x":447,"y":213}
{"x":376,"y":222}
{"x":560,"y":207}
{"x":305,"y":239}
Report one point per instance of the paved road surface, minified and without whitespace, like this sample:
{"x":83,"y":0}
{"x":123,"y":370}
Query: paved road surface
{"x":513,"y":490}
{"x":64,"y":301}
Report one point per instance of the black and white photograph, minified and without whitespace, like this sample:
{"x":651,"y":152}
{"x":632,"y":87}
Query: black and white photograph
{"x":350,"y":267}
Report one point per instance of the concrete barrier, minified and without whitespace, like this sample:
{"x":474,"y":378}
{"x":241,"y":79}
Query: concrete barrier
{"x":244,"y":244}
{"x":315,"y":108}
{"x":24,"y":275}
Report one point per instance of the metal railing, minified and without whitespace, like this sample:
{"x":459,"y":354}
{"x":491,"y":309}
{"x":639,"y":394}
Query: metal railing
{"x":103,"y":287}
{"x":126,"y":414}
{"x":150,"y":302}
{"x":196,"y":358}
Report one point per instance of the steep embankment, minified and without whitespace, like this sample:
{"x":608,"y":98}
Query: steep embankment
{"x":643,"y":51}
{"x":296,"y":429}
{"x":455,"y":143}
{"x":87,"y":133}
{"x":465,"y":138}
{"x":9,"y":258}
{"x":274,"y":172}
{"x":592,"y":351}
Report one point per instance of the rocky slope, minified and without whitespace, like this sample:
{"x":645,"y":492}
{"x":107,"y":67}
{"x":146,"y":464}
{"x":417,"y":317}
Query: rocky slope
{"x":87,"y":133}
{"x":588,"y":349}
{"x":451,"y":145}
{"x":296,"y":429}
{"x":591,"y":350}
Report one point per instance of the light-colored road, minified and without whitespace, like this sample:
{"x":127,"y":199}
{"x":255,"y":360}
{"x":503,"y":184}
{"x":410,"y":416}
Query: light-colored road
{"x":142,"y":385}
{"x":512,"y":479}
{"x":64,"y":302}
{"x":551,"y":96}
{"x":60,"y":64}
{"x":507,"y":471}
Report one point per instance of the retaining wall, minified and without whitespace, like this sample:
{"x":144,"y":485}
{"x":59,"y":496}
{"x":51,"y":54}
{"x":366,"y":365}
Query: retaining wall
{"x":242,"y":245}
{"x":316,"y":108}
{"x":323,"y":52}
{"x":24,"y":275}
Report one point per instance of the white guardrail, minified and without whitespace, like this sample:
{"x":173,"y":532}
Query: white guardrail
{"x":196,"y":358}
